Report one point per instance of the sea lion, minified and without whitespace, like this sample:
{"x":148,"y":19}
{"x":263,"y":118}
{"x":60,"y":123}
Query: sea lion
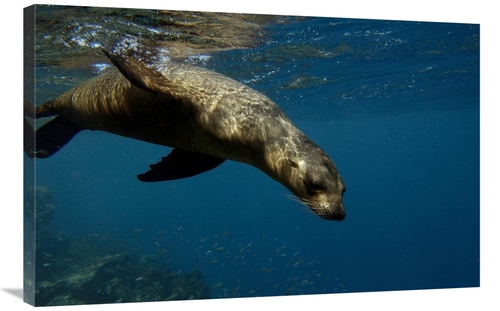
{"x":205,"y":116}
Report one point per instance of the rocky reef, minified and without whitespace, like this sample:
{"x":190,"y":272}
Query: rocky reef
{"x":97,"y":268}
{"x":41,"y":198}
{"x":101,"y":269}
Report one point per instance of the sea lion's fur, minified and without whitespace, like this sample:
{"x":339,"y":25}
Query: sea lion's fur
{"x":207,"y":117}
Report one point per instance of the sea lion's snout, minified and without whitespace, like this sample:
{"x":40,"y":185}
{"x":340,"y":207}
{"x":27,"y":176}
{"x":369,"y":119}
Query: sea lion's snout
{"x":328,"y":211}
{"x":335,"y":213}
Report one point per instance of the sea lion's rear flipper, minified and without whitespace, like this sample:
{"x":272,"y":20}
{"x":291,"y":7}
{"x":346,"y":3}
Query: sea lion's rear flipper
{"x":140,"y":75}
{"x":180,"y":164}
{"x":52,"y":136}
{"x":29,"y":139}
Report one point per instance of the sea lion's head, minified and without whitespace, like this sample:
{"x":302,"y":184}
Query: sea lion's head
{"x":316,"y":182}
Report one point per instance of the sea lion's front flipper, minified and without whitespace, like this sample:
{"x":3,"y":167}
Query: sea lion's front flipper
{"x":180,"y":164}
{"x":53,"y":135}
{"x":139,"y":74}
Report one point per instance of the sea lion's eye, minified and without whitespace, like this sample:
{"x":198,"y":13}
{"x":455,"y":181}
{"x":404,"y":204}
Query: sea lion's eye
{"x":316,"y":185}
{"x":293,"y":163}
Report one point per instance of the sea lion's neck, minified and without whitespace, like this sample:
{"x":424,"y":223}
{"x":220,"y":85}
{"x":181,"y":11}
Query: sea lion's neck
{"x":282,"y":153}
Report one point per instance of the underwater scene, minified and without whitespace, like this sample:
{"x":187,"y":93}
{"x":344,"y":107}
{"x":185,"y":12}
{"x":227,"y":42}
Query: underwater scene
{"x":394,"y":105}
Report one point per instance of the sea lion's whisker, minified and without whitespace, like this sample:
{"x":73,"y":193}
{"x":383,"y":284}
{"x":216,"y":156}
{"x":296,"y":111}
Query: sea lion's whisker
{"x":310,"y":205}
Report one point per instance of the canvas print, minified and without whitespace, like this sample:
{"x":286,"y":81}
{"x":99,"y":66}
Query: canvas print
{"x":175,"y":155}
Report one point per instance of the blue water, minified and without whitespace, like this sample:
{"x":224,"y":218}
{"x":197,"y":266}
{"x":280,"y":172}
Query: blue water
{"x":394,"y":104}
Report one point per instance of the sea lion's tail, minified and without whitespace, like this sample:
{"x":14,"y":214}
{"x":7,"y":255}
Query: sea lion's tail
{"x":47,"y":109}
{"x":29,"y":109}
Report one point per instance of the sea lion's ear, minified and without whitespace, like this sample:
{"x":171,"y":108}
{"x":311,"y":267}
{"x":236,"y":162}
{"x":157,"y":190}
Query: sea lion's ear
{"x":293,"y":163}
